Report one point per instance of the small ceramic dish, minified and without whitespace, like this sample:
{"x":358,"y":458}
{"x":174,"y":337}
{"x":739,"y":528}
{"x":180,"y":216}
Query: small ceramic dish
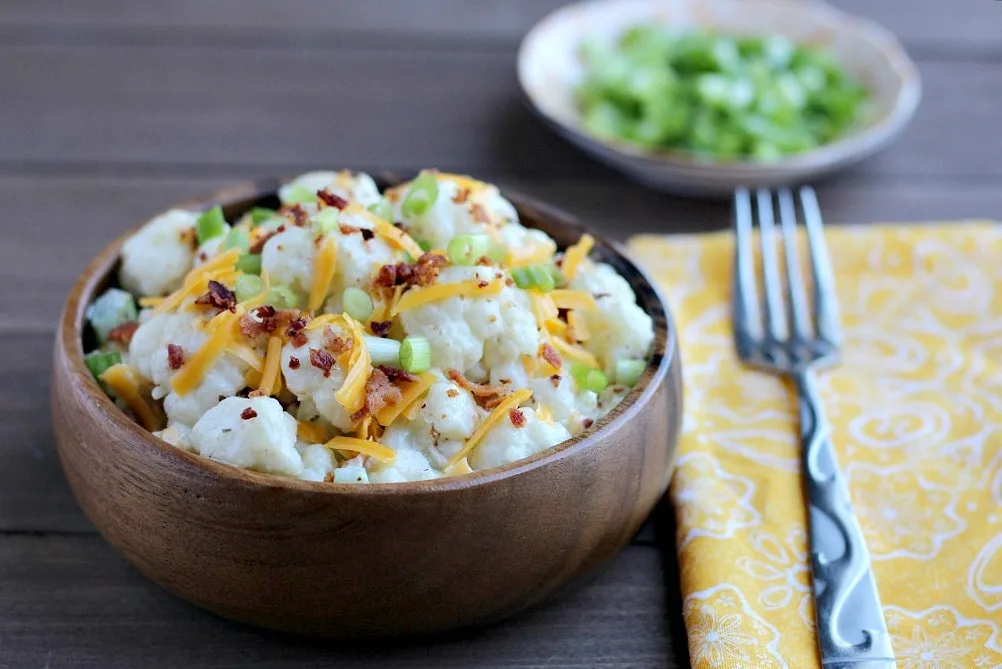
{"x":549,"y":70}
{"x":372,"y":560}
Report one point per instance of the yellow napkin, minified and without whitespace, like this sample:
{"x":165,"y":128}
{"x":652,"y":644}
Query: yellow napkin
{"x":916,"y":407}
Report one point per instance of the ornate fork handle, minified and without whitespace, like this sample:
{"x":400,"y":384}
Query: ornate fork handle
{"x":844,"y":588}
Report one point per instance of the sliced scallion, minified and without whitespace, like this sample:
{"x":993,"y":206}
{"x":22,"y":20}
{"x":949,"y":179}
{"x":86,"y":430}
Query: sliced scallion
{"x":112,"y":308}
{"x":383,"y":351}
{"x":298,"y":195}
{"x":421,"y":195}
{"x":589,"y":378}
{"x":498,"y":253}
{"x":467,"y":249}
{"x":541,"y":278}
{"x":249,"y":263}
{"x":382,"y":209}
{"x":415,"y":354}
{"x":424,"y":244}
{"x":237,"y":238}
{"x":259,"y":215}
{"x":521,"y":276}
{"x":284,"y":297}
{"x":629,"y":371}
{"x":326,"y":220}
{"x":248,"y":285}
{"x":98,"y":362}
{"x":210,"y":225}
{"x":357,"y":303}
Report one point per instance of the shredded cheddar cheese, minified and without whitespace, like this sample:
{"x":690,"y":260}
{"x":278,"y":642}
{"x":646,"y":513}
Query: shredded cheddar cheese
{"x":411,"y":412}
{"x":147,"y":302}
{"x":363,"y":446}
{"x":496,"y":414}
{"x":247,"y":354}
{"x":537,"y":253}
{"x":575,"y":254}
{"x":461,"y":181}
{"x":387,"y":231}
{"x":411,"y":394}
{"x":443,"y":291}
{"x":124,"y":382}
{"x":460,"y":468}
{"x":544,"y":414}
{"x":271,"y":374}
{"x":578,"y":326}
{"x":324,"y":266}
{"x":575,"y":352}
{"x":351,"y":394}
{"x":573,"y":299}
{"x":252,"y":378}
{"x":222,"y":330}
{"x":311,"y":432}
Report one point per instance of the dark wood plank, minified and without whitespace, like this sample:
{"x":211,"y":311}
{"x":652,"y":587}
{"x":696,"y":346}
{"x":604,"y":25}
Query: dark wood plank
{"x":267,"y":110}
{"x":73,"y":602}
{"x":962,"y":25}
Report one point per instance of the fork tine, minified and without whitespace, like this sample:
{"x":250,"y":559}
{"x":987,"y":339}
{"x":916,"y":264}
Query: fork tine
{"x":826,"y":318}
{"x":747,"y":326}
{"x":800,"y":320}
{"x":775,"y":312}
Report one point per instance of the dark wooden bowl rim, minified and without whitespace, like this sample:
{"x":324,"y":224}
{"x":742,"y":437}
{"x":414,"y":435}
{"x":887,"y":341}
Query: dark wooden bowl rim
{"x":97,"y":273}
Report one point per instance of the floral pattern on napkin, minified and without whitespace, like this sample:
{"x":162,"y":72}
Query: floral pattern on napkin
{"x":916,"y":407}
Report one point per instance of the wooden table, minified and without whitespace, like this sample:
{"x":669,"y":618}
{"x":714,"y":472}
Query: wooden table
{"x":112,"y":110}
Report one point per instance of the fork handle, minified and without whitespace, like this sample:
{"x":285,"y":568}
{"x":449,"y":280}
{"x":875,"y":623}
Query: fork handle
{"x":850,"y":622}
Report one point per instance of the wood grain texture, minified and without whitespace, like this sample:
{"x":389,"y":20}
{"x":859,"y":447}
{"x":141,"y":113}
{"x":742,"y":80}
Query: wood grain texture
{"x":73,"y":603}
{"x":288,"y":555}
{"x":119,"y":107}
{"x":948,"y":27}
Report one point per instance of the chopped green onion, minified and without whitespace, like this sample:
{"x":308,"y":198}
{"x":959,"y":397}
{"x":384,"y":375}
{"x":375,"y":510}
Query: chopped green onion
{"x":259,"y":215}
{"x":383,"y":351}
{"x":98,"y":362}
{"x":210,"y":225}
{"x":421,"y":195}
{"x":629,"y":371}
{"x":424,"y":244}
{"x":589,"y":378}
{"x":558,"y":277}
{"x":498,"y":253}
{"x":248,"y":285}
{"x":326,"y":220}
{"x":415,"y":354}
{"x":237,"y":238}
{"x":541,"y":278}
{"x":408,"y":258}
{"x":357,"y":303}
{"x":111,"y":309}
{"x":297,"y":195}
{"x":284,"y":297}
{"x":249,"y":263}
{"x":521,"y":277}
{"x":382,"y":209}
{"x":467,"y":249}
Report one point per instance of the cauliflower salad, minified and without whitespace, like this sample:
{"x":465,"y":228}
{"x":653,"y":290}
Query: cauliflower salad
{"x":354,"y":336}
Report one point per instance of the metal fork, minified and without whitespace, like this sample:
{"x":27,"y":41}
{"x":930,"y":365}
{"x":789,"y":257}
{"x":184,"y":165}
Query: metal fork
{"x":791,"y":335}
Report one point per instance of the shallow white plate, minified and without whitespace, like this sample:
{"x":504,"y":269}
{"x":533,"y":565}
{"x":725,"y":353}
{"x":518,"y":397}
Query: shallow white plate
{"x":549,"y":70}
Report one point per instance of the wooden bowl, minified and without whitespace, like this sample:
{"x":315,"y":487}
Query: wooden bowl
{"x":374,"y":560}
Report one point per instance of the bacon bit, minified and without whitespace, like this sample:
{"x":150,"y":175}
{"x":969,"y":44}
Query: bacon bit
{"x":400,"y":225}
{"x":423,"y":272}
{"x":555,"y":380}
{"x":175,"y":356}
{"x":281,"y":228}
{"x":293,"y":362}
{"x":483,"y":284}
{"x":379,"y":394}
{"x":480,"y":214}
{"x":122,"y":333}
{"x":550,"y":355}
{"x":332,"y":199}
{"x":435,"y":435}
{"x":486,"y":396}
{"x":394,"y":374}
{"x":461,"y":195}
{"x":258,"y":245}
{"x":218,"y":297}
{"x":336,"y":344}
{"x":587,"y":422}
{"x":266,"y":321}
{"x":329,"y":477}
{"x":348,"y":229}
{"x":484,"y":261}
{"x":452,"y":392}
{"x":367,"y":234}
{"x":296,"y":324}
{"x":299,"y":339}
{"x":298,"y":216}
{"x":248,"y":413}
{"x":381,"y":328}
{"x":517,"y":417}
{"x":202,"y":256}
{"x":509,"y":282}
{"x":562,"y":314}
{"x":322,"y":360}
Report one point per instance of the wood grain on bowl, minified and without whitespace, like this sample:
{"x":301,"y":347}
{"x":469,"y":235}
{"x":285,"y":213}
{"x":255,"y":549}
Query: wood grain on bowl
{"x":377,"y":560}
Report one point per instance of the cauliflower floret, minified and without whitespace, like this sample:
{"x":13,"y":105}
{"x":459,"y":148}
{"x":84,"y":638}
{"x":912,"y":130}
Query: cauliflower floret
{"x":148,"y":354}
{"x":452,"y":214}
{"x":569,"y":406}
{"x":409,"y":465}
{"x":505,"y":442}
{"x":475,"y":334}
{"x":318,"y":461}
{"x":156,"y":258}
{"x":254,"y":433}
{"x":447,"y":418}
{"x":312,"y":384}
{"x":208,"y":249}
{"x":354,"y":187}
{"x":288,"y":258}
{"x":620,"y":329}
{"x":358,"y":258}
